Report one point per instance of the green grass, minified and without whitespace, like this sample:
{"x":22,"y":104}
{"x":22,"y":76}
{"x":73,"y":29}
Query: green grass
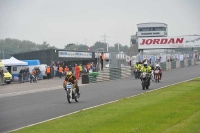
{"x":175,"y":109}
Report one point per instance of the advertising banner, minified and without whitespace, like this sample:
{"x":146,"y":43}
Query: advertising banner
{"x":70,"y":54}
{"x":168,"y":42}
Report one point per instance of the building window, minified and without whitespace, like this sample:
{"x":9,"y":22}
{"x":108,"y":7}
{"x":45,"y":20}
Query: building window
{"x":14,"y":69}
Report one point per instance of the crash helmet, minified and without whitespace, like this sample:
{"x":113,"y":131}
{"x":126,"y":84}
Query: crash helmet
{"x":157,"y":66}
{"x":69,"y":74}
{"x":145,"y":64}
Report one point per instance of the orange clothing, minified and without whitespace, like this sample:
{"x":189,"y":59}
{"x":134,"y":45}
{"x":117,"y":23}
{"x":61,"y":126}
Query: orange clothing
{"x":77,"y":69}
{"x":88,"y":66}
{"x":33,"y":72}
{"x":66,"y":69}
{"x":48,"y":70}
{"x":102,"y":56}
{"x":60,"y":69}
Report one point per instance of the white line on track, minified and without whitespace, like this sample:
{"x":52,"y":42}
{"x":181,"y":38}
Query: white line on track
{"x":100,"y":105}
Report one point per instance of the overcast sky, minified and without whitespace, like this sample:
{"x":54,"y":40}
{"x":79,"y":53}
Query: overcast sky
{"x":60,"y":22}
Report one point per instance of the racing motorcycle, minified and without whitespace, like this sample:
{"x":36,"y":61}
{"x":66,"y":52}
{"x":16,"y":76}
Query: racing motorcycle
{"x":157,"y":75}
{"x":145,"y":80}
{"x":71,"y":93}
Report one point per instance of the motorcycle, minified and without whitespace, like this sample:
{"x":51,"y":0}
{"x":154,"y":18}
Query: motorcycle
{"x":71,"y":93}
{"x":33,"y":78}
{"x":157,"y":75}
{"x":137,"y":74}
{"x":145,"y":80}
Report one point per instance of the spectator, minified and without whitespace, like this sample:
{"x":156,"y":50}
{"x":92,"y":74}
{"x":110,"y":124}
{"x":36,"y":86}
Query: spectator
{"x":66,"y":69}
{"x":27,"y":73}
{"x":70,"y":68}
{"x":60,"y":71}
{"x":24,"y":74}
{"x":48,"y":72}
{"x":20,"y":75}
{"x":1,"y":77}
{"x":77,"y":69}
{"x":101,"y":59}
{"x":37,"y":73}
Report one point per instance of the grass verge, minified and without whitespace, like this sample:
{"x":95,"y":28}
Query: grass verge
{"x":174,"y":109}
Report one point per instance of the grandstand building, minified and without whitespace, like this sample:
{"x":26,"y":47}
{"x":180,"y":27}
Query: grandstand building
{"x":152,"y":29}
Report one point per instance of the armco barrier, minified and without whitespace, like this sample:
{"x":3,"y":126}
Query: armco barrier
{"x":168,"y":65}
{"x":92,"y":79}
{"x":103,"y":75}
{"x":193,"y":62}
{"x":189,"y":62}
{"x":186,"y":63}
{"x":163,"y":66}
{"x":173,"y":64}
{"x":177,"y":64}
{"x":125,"y":72}
{"x":115,"y":73}
{"x":182,"y":64}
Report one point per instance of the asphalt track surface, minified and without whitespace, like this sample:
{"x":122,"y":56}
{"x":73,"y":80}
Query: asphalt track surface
{"x":23,"y":110}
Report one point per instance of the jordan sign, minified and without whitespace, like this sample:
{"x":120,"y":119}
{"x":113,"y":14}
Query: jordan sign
{"x":168,"y":42}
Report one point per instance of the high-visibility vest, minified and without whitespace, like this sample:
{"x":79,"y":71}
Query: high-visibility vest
{"x":81,"y":68}
{"x":60,"y":69}
{"x":48,"y":70}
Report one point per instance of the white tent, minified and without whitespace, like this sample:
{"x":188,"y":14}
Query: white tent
{"x":14,"y":62}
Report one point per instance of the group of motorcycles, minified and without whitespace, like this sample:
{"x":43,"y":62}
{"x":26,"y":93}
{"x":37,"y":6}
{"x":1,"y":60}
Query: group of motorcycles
{"x":146,"y":78}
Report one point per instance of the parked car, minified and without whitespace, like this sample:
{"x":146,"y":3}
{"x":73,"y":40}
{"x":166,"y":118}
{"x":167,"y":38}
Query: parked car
{"x":7,"y":75}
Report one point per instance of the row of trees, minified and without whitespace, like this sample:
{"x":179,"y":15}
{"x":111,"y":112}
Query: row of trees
{"x":97,"y":45}
{"x":10,"y":46}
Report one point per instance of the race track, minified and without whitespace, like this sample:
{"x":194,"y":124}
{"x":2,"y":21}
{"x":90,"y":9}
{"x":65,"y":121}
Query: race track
{"x":22,"y":110}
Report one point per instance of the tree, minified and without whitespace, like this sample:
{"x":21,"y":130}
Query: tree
{"x":12,"y":46}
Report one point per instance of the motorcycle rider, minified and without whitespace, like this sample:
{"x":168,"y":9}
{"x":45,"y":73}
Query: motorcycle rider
{"x":147,"y":69}
{"x":160,"y":70}
{"x":71,"y":78}
{"x":137,"y":66}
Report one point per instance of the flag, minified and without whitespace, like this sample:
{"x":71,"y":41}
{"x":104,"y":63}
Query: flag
{"x":107,"y":46}
{"x":88,"y":48}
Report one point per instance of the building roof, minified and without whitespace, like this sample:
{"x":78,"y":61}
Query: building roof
{"x":152,"y":23}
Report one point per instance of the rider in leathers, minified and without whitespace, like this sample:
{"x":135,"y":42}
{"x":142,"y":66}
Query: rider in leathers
{"x":71,"y":78}
{"x":147,"y":69}
{"x":138,"y":67}
{"x":160,"y":70}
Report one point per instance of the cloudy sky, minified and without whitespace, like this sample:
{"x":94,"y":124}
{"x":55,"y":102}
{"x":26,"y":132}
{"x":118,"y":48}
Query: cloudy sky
{"x":60,"y":22}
